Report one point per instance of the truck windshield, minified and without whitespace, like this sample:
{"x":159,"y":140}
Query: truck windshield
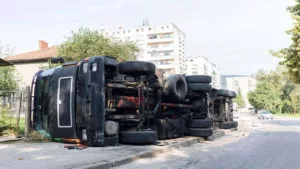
{"x":43,"y":98}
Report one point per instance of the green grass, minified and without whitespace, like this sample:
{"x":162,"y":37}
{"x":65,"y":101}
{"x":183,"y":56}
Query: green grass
{"x":294,"y":115}
{"x":12,"y":122}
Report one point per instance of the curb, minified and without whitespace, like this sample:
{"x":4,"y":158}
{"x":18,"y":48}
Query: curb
{"x":152,"y":153}
{"x":216,"y":134}
{"x":10,"y":140}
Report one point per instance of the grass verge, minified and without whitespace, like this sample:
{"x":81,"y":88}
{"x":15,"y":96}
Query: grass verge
{"x":294,"y":115}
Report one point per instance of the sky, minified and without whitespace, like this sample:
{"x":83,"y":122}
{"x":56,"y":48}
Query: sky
{"x":236,"y":35}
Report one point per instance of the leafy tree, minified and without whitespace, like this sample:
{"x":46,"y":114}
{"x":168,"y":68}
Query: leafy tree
{"x":9,"y":78}
{"x":239,"y":100}
{"x":266,"y":96}
{"x":86,"y":43}
{"x":290,"y":55}
{"x":295,"y":99}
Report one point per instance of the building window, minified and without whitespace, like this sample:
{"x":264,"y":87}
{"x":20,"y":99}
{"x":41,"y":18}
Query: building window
{"x":106,"y":33}
{"x":191,"y":60}
{"x":124,"y":32}
{"x":149,"y":29}
{"x":113,"y":33}
{"x":166,"y":54}
{"x":142,"y":29}
{"x":162,"y":27}
{"x":167,"y":27}
{"x":128,"y":31}
{"x":118,"y":32}
{"x":137,"y":30}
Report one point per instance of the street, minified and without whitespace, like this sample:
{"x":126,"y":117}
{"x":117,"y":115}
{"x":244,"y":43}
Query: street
{"x":272,"y":144}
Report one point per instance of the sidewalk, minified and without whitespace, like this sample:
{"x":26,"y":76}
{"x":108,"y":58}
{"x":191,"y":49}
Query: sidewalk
{"x":4,"y":139}
{"x":54,"y":155}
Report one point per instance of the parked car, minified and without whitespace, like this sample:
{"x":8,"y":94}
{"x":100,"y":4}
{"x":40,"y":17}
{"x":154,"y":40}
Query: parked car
{"x":264,"y":114}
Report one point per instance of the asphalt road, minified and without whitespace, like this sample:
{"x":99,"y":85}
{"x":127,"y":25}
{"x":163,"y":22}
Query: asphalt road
{"x":271,"y":144}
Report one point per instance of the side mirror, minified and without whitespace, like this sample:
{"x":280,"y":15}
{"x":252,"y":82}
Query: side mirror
{"x":57,"y":60}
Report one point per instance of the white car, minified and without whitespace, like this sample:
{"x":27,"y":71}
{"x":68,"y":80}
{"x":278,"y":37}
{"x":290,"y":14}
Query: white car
{"x":264,"y":114}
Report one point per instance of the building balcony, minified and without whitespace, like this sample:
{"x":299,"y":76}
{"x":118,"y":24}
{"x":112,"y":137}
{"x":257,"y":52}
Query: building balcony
{"x":162,"y":66}
{"x":154,"y":58}
{"x":159,"y":49}
{"x":160,"y":40}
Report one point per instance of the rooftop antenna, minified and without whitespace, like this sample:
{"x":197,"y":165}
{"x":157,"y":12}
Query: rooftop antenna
{"x":146,"y":22}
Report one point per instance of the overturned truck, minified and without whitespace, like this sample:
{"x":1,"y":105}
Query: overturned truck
{"x":101,"y":102}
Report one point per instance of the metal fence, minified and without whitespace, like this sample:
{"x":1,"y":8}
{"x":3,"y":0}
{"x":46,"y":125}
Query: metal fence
{"x":13,"y":103}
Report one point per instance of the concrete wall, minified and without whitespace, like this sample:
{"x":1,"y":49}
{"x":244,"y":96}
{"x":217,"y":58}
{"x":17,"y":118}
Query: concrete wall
{"x":28,"y":70}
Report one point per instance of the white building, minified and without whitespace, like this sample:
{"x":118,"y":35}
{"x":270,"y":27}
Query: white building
{"x":202,"y":66}
{"x":243,"y":84}
{"x":163,"y":45}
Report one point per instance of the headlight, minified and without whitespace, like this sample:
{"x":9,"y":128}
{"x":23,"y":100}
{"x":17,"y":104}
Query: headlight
{"x":94,"y":67}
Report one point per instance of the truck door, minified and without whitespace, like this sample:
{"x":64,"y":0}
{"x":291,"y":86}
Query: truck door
{"x":62,"y":102}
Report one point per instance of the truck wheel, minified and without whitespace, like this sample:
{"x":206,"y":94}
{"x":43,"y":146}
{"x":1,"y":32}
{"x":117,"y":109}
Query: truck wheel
{"x":138,"y":137}
{"x":199,"y":132}
{"x":225,"y":125}
{"x":176,"y":87}
{"x":198,"y":79}
{"x":199,"y":123}
{"x":231,"y":94}
{"x":137,"y":68}
{"x":223,"y":92}
{"x":234,"y":124}
{"x":199,"y":87}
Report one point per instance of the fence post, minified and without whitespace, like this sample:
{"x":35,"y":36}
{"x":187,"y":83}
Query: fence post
{"x":27,"y":113}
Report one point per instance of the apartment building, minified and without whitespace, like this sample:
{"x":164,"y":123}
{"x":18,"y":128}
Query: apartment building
{"x":243,"y":84}
{"x":163,"y":45}
{"x":202,"y":66}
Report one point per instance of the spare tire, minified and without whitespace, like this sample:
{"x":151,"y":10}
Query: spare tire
{"x":223,"y":92}
{"x":198,"y":79}
{"x":138,"y":137}
{"x":199,"y":87}
{"x":175,"y":87}
{"x":137,"y":68}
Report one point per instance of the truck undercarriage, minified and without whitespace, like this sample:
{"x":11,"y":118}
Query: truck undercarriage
{"x":102,"y":102}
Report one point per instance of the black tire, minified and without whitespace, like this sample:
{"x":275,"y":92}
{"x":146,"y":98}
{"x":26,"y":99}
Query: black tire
{"x":199,"y":123}
{"x":199,"y":132}
{"x":223,"y":92}
{"x":231,"y":94}
{"x":137,"y":68}
{"x":234,"y":124}
{"x":225,"y":125}
{"x":138,"y":137}
{"x":175,"y":87}
{"x":199,"y":87}
{"x":198,"y":79}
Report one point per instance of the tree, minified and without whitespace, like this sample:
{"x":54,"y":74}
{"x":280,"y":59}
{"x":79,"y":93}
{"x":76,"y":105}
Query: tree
{"x":290,"y":55}
{"x":9,"y":78}
{"x":239,"y":100}
{"x":295,"y":99}
{"x":266,"y":96}
{"x":86,"y":43}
